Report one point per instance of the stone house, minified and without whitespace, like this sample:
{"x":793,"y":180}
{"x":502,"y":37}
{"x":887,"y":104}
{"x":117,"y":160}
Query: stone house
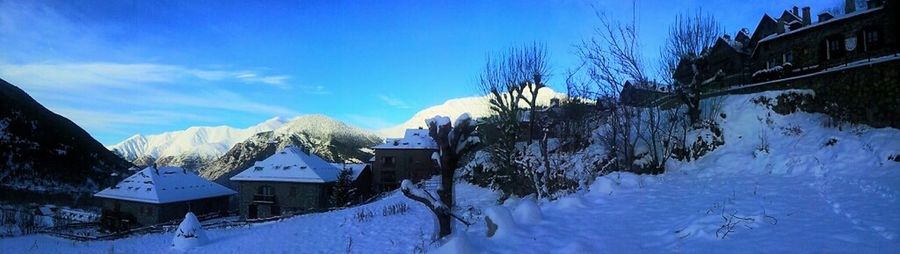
{"x":291,"y":181}
{"x":158,"y":195}
{"x":404,"y":158}
{"x":806,"y":47}
{"x":793,"y":45}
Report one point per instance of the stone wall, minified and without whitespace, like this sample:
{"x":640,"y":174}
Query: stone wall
{"x":288,"y":197}
{"x":867,"y":94}
{"x":414,"y":164}
{"x":151,"y":214}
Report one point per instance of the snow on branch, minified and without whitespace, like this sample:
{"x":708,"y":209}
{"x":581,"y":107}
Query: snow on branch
{"x":413,"y":192}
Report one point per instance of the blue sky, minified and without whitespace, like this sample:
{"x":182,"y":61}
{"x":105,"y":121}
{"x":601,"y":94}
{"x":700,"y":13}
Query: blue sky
{"x":119,"y":68}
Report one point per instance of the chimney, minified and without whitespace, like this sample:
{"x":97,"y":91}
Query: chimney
{"x":807,"y":20}
{"x":849,"y":6}
{"x":825,"y":16}
{"x":796,"y":11}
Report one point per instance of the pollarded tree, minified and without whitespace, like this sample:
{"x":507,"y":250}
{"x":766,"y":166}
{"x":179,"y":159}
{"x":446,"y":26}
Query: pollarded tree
{"x":453,"y":142}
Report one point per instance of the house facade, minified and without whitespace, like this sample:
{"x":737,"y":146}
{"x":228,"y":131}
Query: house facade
{"x":291,"y":181}
{"x":404,"y":158}
{"x":792,"y":44}
{"x":158,"y":195}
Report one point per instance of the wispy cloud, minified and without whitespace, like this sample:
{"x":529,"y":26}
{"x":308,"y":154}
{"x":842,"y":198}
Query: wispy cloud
{"x":128,"y":74}
{"x":393,"y":102}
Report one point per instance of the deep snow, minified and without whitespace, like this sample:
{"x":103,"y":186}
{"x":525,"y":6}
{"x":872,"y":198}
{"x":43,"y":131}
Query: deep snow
{"x":817,"y":189}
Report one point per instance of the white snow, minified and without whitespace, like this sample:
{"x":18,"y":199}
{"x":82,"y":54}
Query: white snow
{"x":205,"y":142}
{"x":290,"y":164}
{"x":189,"y":234}
{"x":528,"y":212}
{"x":164,"y":185}
{"x":413,"y":139}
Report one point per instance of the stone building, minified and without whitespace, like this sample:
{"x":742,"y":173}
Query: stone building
{"x":405,"y":158}
{"x":291,"y":181}
{"x":806,"y":47}
{"x":793,"y":44}
{"x":157,"y":195}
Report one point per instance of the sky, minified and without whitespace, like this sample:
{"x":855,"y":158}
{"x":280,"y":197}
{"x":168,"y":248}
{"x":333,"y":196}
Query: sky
{"x":119,"y":68}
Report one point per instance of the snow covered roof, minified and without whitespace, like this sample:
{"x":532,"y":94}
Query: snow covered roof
{"x":164,"y":185}
{"x":413,"y":139}
{"x":356,"y":168}
{"x":290,"y":165}
{"x":845,"y":17}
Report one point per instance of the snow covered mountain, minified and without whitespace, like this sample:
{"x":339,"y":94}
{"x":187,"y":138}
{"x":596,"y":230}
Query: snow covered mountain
{"x":42,"y":152}
{"x":328,"y":138}
{"x":476,"y":106}
{"x":189,"y":148}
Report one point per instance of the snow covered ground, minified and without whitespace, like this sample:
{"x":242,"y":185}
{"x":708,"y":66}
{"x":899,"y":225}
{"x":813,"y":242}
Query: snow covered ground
{"x":817,"y":189}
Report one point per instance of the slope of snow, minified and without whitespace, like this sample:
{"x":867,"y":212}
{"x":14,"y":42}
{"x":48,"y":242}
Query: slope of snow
{"x":476,"y":106}
{"x":204,"y":142}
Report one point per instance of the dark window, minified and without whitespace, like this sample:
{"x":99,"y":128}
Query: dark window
{"x":388,"y":161}
{"x":834,"y":47}
{"x":788,"y":57}
{"x":872,"y":39}
{"x":293,"y":191}
{"x":265,"y":190}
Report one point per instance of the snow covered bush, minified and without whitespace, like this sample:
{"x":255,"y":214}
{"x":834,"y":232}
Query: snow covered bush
{"x":189,"y":234}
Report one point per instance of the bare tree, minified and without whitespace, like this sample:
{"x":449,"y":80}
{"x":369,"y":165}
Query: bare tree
{"x":516,"y":77}
{"x":611,"y":57}
{"x":453,"y":142}
{"x":513,"y":80}
{"x":686,"y":48}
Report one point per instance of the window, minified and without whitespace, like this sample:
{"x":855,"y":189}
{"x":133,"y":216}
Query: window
{"x":388,"y":161}
{"x":834,"y":47}
{"x":293,"y":191}
{"x":265,"y":190}
{"x":788,"y":57}
{"x":872,"y":39}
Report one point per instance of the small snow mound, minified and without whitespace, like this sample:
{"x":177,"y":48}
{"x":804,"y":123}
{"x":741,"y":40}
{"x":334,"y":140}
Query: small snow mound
{"x":650,"y":180}
{"x":629,"y":180}
{"x":571,"y":201}
{"x":576,"y":247}
{"x":500,"y":222}
{"x":189,"y":233}
{"x":457,"y":244}
{"x":528,"y":212}
{"x":602,"y":186}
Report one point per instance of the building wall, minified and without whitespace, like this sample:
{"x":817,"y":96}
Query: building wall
{"x":809,"y":50}
{"x":151,"y":214}
{"x":286,"y":198}
{"x":413,"y":164}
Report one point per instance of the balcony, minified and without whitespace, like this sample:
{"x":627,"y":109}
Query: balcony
{"x":262,"y":198}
